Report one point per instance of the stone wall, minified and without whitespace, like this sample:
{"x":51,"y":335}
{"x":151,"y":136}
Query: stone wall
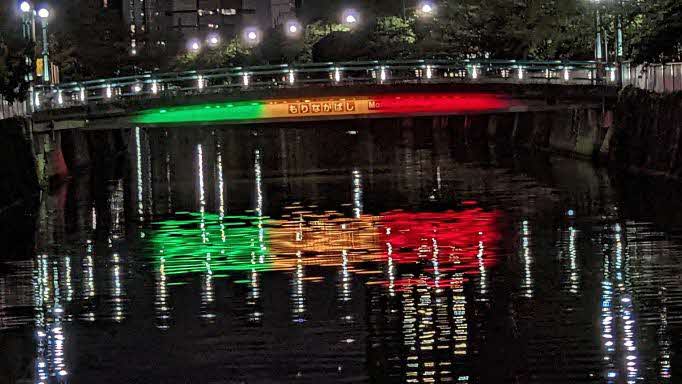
{"x":647,"y":133}
{"x":18,"y":174}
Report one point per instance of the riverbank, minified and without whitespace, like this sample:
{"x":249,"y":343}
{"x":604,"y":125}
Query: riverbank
{"x":648,"y":133}
{"x":20,"y":185}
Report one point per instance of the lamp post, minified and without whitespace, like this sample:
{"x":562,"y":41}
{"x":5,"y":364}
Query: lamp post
{"x":619,"y":39}
{"x":27,"y":21}
{"x":28,"y":30}
{"x":29,"y":33}
{"x":597,"y":43}
{"x":43,"y":13}
{"x":619,"y":44}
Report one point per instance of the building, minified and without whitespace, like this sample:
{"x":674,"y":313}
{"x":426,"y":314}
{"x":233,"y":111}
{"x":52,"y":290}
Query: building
{"x":282,"y":11}
{"x":156,"y":20}
{"x":226,"y":18}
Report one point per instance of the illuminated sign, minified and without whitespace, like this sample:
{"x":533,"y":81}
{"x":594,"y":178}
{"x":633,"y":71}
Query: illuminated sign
{"x":394,"y":104}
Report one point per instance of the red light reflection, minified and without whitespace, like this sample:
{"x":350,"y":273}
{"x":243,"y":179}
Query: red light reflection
{"x":445,"y":243}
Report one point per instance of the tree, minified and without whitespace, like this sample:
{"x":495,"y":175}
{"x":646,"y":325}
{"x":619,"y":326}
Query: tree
{"x":89,"y":42}
{"x":657,"y":31}
{"x":232,"y":53}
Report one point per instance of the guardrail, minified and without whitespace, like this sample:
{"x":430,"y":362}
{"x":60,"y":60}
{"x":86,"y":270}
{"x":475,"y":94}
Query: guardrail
{"x":9,"y":110}
{"x":654,"y":77}
{"x":327,"y":74}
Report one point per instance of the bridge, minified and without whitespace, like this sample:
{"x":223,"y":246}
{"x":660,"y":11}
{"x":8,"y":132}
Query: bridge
{"x":322,"y":91}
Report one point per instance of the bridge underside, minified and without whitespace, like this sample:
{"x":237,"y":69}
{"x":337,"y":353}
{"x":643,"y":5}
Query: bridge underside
{"x":326,"y":103}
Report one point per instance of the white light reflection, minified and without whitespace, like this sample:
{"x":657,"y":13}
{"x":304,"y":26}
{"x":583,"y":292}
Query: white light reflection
{"x":169,"y":189}
{"x":259,"y":183}
{"x":618,"y":311}
{"x":68,"y":276}
{"x":345,"y":277}
{"x":664,"y":341}
{"x":161,"y":304}
{"x":207,"y":294}
{"x":572,"y":254}
{"x":202,"y":191}
{"x":434,"y":263}
{"x":138,"y":154}
{"x":50,"y":359}
{"x":117,"y":291}
{"x":481,"y":269}
{"x":221,"y":185}
{"x":89,"y":276}
{"x":527,"y":284}
{"x":297,"y":292}
{"x":357,"y":194}
{"x":255,"y":288}
{"x":391,"y":267}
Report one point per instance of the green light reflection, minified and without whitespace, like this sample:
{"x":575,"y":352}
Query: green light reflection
{"x":194,"y":243}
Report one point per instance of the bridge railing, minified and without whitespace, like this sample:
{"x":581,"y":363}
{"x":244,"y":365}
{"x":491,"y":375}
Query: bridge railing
{"x":157,"y":85}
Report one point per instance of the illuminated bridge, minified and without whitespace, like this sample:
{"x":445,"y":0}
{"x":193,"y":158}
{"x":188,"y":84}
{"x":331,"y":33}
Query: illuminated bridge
{"x":323,"y":91}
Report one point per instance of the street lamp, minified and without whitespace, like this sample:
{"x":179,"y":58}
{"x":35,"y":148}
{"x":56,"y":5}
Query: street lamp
{"x":213,"y":40}
{"x":293,"y":28}
{"x":44,"y":14}
{"x":597,"y":43}
{"x":252,"y":35}
{"x":350,"y":17}
{"x":426,"y":8}
{"x":25,"y":7}
{"x":194,"y":45}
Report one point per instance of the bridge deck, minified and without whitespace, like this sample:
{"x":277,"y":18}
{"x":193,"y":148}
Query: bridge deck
{"x":317,"y":103}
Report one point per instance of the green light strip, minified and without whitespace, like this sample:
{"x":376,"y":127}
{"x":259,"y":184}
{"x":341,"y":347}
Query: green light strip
{"x":242,"y":110}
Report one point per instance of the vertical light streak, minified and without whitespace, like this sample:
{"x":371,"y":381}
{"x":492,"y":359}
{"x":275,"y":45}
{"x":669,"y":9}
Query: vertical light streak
{"x":391,"y":268}
{"x":572,"y":253}
{"x":162,"y":296}
{"x":117,"y":291}
{"x":138,"y":154}
{"x":527,"y":284}
{"x":298,"y":290}
{"x":357,"y":194}
{"x":481,"y":269}
{"x":345,"y":277}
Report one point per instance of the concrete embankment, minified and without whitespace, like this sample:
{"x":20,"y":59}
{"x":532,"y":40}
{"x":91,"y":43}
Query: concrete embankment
{"x":648,"y":132}
{"x":35,"y":162}
{"x":19,"y":177}
{"x":642,"y":132}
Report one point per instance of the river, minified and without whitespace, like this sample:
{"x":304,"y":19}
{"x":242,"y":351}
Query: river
{"x":342,"y":253}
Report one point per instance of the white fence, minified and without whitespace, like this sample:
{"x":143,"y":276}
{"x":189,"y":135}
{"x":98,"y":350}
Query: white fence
{"x":654,"y":77}
{"x":8,"y":110}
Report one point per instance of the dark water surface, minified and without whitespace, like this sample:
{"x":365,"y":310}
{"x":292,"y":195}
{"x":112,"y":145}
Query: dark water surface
{"x":342,"y":254}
